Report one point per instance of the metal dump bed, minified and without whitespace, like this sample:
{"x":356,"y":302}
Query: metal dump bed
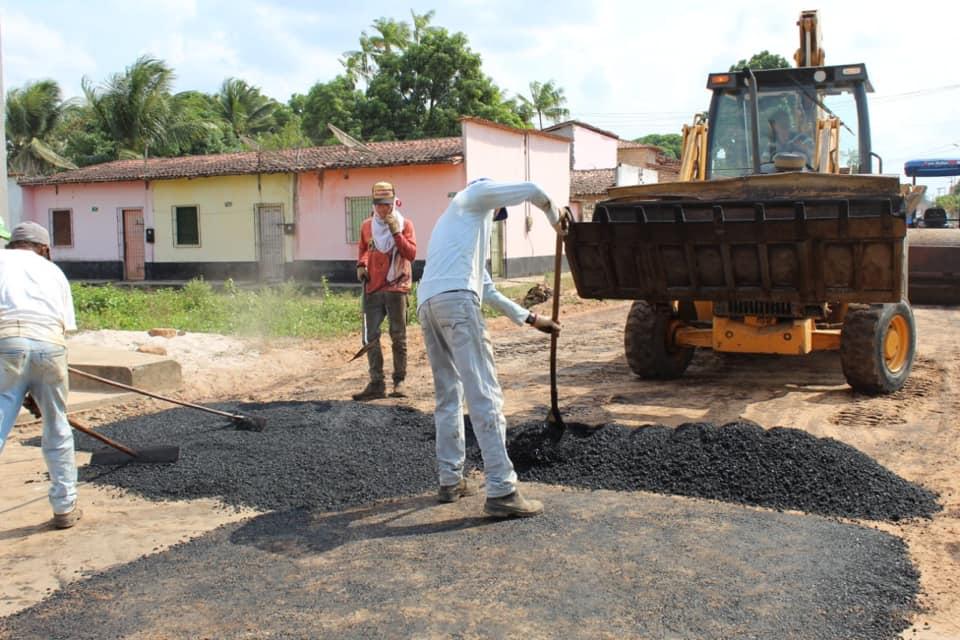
{"x":798,"y":238}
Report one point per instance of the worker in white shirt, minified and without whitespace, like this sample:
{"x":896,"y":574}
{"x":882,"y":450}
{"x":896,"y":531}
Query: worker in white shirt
{"x":36,"y":311}
{"x":455,"y":284}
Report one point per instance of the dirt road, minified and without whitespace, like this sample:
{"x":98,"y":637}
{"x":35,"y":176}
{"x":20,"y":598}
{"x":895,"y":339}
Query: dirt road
{"x":911,"y":433}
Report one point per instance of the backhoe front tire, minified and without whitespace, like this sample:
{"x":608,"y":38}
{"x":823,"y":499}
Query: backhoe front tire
{"x":877,"y":347}
{"x":648,"y":343}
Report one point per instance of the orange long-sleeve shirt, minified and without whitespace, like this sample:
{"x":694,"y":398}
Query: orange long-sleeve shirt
{"x":378,"y":263}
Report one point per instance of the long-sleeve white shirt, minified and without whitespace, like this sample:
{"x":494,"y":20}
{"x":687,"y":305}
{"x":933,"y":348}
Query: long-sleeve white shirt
{"x":460,"y":242}
{"x":35,"y":298}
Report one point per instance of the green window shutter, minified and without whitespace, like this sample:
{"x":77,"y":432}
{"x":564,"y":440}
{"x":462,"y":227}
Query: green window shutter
{"x":186,"y":226}
{"x":358,"y":210}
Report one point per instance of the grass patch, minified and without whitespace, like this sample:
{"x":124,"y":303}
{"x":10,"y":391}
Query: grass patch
{"x":286,"y":310}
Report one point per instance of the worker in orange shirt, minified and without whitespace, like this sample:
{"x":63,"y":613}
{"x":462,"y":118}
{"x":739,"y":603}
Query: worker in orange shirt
{"x":388,"y":247}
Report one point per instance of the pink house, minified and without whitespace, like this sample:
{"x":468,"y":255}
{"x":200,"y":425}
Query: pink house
{"x":293,"y":213}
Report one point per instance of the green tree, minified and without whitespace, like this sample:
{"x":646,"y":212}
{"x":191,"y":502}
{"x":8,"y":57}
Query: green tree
{"x":421,"y":24}
{"x":33,"y":113}
{"x":244,"y":108}
{"x":546,"y":99}
{"x":135,"y":108}
{"x":762,"y":60}
{"x":217,"y":134}
{"x":287,"y":132}
{"x":337,"y":102}
{"x":84,"y":142}
{"x":950,"y":202}
{"x":391,"y":35}
{"x":671,"y":143}
{"x":423,"y":90}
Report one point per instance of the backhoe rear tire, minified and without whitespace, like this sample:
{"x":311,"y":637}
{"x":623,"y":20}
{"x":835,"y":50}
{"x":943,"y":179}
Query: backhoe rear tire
{"x":648,"y":343}
{"x":877,"y":347}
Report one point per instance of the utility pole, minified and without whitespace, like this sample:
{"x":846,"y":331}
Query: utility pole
{"x":4,"y":202}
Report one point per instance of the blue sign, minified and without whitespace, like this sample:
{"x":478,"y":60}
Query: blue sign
{"x":931,"y":168}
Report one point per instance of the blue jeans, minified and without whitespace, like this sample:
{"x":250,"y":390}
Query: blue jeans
{"x":461,"y":357}
{"x":40,"y":368}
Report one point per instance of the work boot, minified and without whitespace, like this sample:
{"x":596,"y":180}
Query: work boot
{"x":512,"y":506}
{"x":456,"y":491}
{"x":67,"y":520}
{"x":398,"y":390}
{"x":373,"y":391}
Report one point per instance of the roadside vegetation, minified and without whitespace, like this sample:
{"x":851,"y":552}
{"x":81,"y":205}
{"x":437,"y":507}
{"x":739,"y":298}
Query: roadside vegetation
{"x":288,"y":309}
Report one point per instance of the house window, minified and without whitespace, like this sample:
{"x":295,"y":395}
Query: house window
{"x":186,"y":226}
{"x":61,"y":221}
{"x":358,"y":210}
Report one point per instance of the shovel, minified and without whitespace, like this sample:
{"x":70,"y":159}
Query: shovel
{"x":363,"y":314}
{"x":554,"y":422}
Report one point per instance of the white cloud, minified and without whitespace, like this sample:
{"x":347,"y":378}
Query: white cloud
{"x":36,"y":51}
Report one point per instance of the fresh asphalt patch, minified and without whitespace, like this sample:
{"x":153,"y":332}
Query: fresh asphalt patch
{"x":356,"y":547}
{"x":596,"y":564}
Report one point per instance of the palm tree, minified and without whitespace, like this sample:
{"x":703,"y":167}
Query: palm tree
{"x":546,"y":99}
{"x":421,"y":24}
{"x":136,"y":109}
{"x":245,"y":109}
{"x":33,"y":113}
{"x":393,"y":34}
{"x":359,"y":63}
{"x":390,"y":35}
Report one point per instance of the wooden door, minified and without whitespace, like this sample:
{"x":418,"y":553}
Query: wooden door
{"x":270,"y":232}
{"x":134,"y":247}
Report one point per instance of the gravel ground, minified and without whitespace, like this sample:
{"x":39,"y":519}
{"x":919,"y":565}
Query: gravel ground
{"x":740,"y":462}
{"x":596,"y":565}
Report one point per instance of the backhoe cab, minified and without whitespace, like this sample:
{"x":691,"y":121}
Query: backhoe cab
{"x":796,"y":114}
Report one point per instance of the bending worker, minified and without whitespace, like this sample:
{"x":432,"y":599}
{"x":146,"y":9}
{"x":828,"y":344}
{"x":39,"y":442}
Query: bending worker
{"x":455,"y":283}
{"x":388,"y":246}
{"x":36,"y":310}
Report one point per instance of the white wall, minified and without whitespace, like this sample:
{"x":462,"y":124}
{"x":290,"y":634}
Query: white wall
{"x":14,"y":212}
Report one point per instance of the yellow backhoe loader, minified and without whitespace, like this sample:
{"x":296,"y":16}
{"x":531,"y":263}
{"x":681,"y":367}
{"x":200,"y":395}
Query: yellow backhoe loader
{"x":779,"y":238}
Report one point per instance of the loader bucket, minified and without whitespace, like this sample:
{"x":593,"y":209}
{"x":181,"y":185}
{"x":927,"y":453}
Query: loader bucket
{"x":934,"y":266}
{"x":792,"y":239}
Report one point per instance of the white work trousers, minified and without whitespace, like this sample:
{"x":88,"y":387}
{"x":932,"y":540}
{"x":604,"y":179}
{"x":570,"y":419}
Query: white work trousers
{"x":461,"y":358}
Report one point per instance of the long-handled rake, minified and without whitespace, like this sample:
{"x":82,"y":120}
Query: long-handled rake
{"x":240,"y":421}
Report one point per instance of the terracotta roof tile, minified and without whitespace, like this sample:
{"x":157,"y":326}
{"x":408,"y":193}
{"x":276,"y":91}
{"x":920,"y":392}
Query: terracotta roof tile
{"x":381,"y":154}
{"x":592,"y":182}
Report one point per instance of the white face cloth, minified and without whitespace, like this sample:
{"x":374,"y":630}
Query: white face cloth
{"x":383,"y":242}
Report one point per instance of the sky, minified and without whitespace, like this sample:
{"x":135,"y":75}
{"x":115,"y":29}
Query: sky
{"x":631,"y":68}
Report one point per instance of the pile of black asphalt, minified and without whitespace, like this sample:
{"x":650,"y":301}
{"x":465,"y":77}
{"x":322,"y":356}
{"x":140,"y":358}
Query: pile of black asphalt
{"x":779,"y":468}
{"x":353,"y":543}
{"x":322,"y":455}
{"x":331,"y":455}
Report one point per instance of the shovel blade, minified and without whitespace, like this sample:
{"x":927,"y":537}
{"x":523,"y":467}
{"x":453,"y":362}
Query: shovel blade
{"x":150,"y":455}
{"x":554,"y":427}
{"x":249,"y":423}
{"x":362,"y":351}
